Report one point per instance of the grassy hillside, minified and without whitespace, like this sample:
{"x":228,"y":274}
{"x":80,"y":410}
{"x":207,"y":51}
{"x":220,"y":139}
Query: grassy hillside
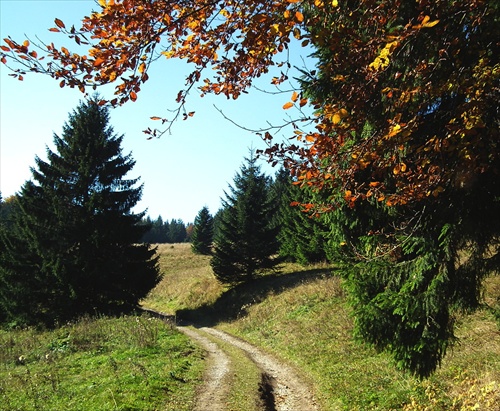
{"x":302,"y":316}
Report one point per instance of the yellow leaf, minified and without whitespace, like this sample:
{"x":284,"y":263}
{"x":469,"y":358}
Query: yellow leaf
{"x":102,"y":3}
{"x":142,"y":67}
{"x":430,"y":24}
{"x":396,"y":129}
{"x":274,"y":29}
{"x":335,"y":3}
{"x":336,"y":118}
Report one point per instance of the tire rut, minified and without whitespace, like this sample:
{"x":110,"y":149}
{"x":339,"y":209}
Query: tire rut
{"x":281,"y":388}
{"x":215,"y":389}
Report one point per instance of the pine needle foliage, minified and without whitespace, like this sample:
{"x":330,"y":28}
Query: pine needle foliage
{"x":203,"y":234}
{"x":246,"y":243}
{"x":301,"y":235}
{"x":74,"y":248}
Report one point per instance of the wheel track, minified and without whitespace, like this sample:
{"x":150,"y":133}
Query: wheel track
{"x":281,"y":388}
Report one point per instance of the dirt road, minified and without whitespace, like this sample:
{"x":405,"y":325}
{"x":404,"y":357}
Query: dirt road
{"x":282,"y":388}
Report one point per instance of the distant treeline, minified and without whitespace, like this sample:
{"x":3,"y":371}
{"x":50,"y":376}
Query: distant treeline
{"x":173,"y":231}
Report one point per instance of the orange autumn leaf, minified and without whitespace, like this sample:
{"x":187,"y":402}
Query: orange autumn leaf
{"x":133,"y":96}
{"x":59,"y":23}
{"x":295,"y":96}
{"x":288,"y":105}
{"x":98,"y":62}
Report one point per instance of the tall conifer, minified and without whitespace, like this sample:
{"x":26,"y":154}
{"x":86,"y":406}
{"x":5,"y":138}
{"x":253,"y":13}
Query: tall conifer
{"x":74,"y":249}
{"x":203,"y":233}
{"x":246,"y":242}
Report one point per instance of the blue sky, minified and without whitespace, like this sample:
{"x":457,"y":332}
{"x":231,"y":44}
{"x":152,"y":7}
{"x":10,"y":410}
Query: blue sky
{"x":181,"y":172}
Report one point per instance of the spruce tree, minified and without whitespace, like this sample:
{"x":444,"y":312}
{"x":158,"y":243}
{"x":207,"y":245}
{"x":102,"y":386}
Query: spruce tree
{"x":176,"y":231}
{"x":75,"y":247}
{"x":301,"y":235}
{"x":203,"y":234}
{"x":246,"y":243}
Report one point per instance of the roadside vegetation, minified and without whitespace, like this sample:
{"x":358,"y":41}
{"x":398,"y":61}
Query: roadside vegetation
{"x":128,"y":363}
{"x":302,"y":316}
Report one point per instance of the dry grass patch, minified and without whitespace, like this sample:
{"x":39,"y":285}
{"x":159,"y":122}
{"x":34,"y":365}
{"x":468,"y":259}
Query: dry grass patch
{"x":188,"y":281}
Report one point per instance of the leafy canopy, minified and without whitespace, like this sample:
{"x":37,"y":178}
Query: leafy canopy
{"x":423,"y":74}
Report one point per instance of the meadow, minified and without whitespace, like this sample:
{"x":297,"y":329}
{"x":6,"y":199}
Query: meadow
{"x":300,"y":315}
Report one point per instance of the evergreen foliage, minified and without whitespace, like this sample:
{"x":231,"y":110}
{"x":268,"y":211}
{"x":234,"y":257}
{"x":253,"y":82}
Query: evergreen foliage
{"x":410,"y":266}
{"x":203,"y":234}
{"x":246,"y":241}
{"x":301,"y":235}
{"x":161,"y":232}
{"x":74,"y":247}
{"x":410,"y":270}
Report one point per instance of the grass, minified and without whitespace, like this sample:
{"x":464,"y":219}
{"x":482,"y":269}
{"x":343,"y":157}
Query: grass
{"x":127,"y":364}
{"x":140,"y":363}
{"x":187,"y":283}
{"x":302,"y":316}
